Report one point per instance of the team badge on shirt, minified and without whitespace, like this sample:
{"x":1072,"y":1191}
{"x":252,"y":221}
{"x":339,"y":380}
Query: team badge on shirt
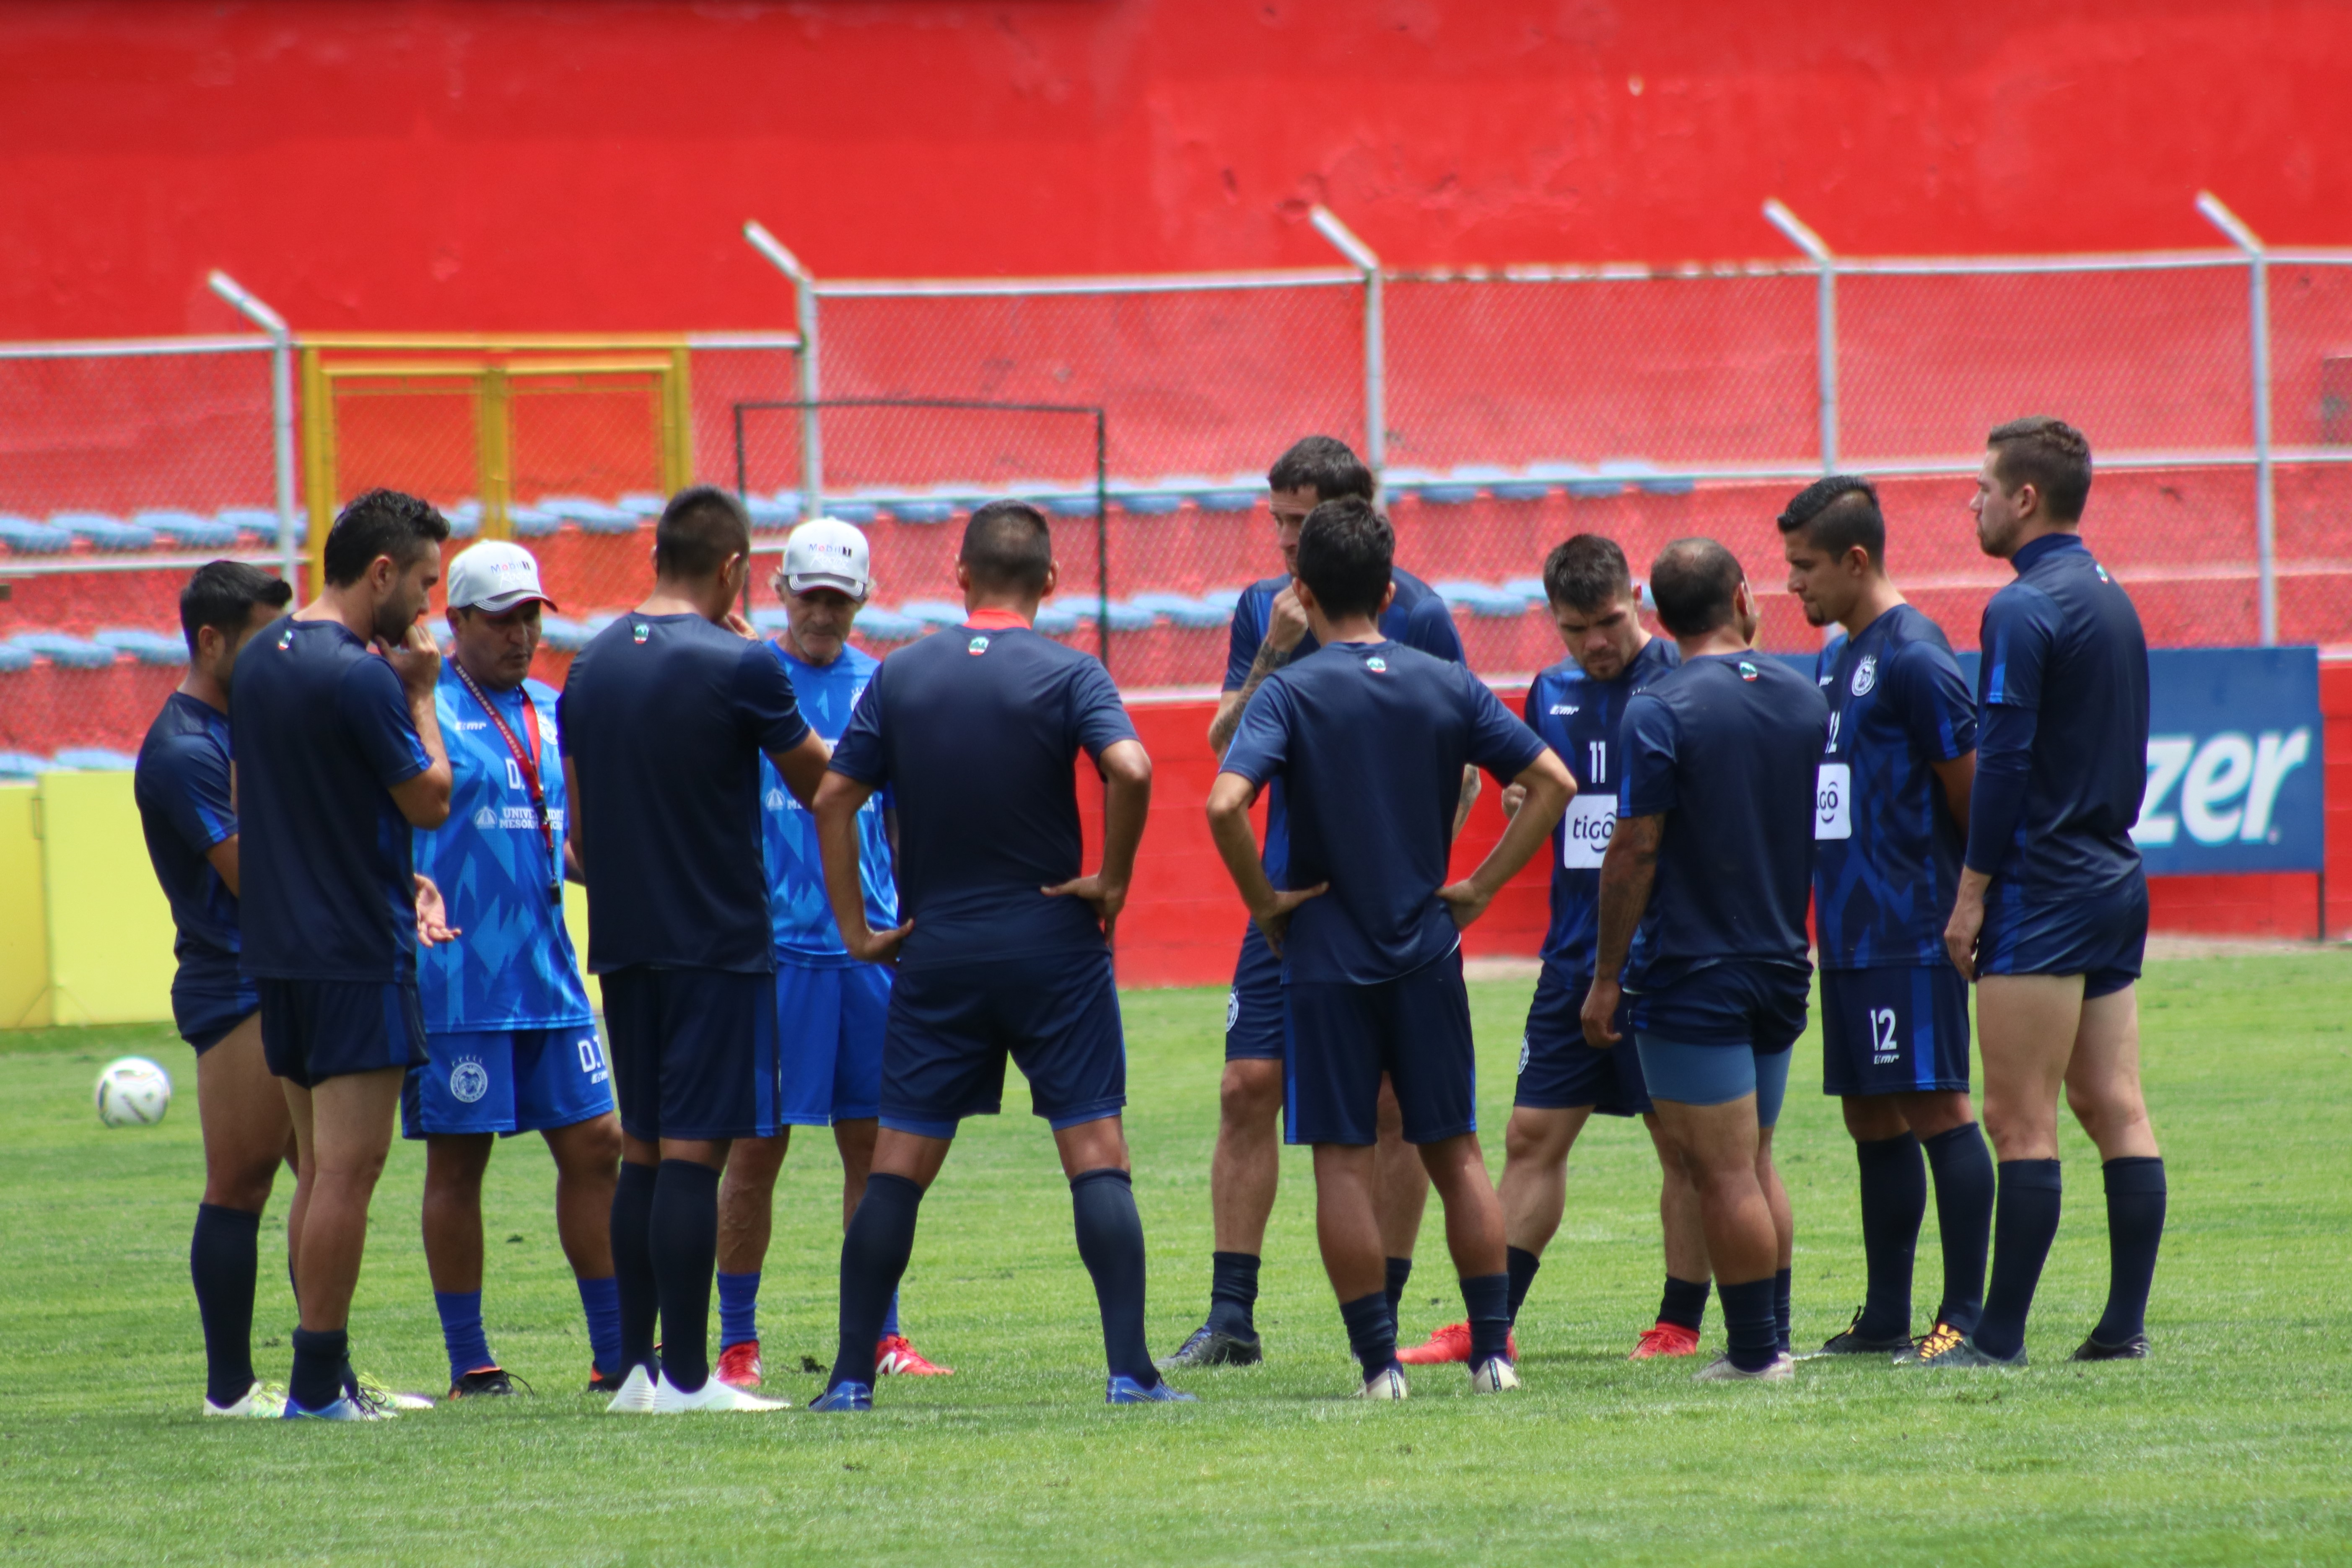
{"x":1747,"y":670}
{"x":977,"y":646}
{"x":640,"y":631}
{"x":1865,"y":675}
{"x":1377,"y":665}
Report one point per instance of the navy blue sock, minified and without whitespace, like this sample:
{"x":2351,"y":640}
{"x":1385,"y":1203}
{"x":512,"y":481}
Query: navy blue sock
{"x":738,"y":1307}
{"x":1894,"y":1203}
{"x":318,"y":1378}
{"x":1964,"y":1190}
{"x":1684,"y":1303}
{"x":2135,"y":1227}
{"x":1487,"y":1298}
{"x":1400,"y":1269}
{"x":1522,"y":1266}
{"x":461,"y":1332}
{"x":874,"y":1253}
{"x":1372,"y":1332}
{"x":2025,"y":1222}
{"x":632,"y":1268}
{"x":599,"y":1303}
{"x":1748,"y":1324}
{"x":684,"y":1245}
{"x":1232,"y":1293}
{"x":222,"y":1258}
{"x":1110,"y":1241}
{"x":890,"y":1318}
{"x":1780,"y":1308}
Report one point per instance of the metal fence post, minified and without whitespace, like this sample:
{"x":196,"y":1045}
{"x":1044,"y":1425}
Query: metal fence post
{"x":1825,"y":346}
{"x":281,"y":411}
{"x":2258,"y":270}
{"x":1376,"y":373}
{"x":804,"y":305}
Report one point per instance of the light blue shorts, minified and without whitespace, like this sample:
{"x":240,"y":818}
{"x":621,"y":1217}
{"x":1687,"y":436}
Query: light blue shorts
{"x":1716,"y":1074}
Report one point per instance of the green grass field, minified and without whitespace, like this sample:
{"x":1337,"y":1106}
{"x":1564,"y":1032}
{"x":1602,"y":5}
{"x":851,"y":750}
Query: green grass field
{"x":2233,"y":1445}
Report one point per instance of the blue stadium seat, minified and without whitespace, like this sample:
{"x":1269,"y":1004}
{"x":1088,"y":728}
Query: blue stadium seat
{"x":96,"y":759}
{"x":1227,"y":600}
{"x":875,"y":624}
{"x":22,"y":536}
{"x":21,"y":765}
{"x":464,"y":518}
{"x":1480,"y":599}
{"x":188,"y":530}
{"x":530,"y":523}
{"x":1502,"y":483}
{"x":848,"y":509}
{"x":1531,"y":589}
{"x":772,"y":514}
{"x":1179,"y":610}
{"x":260,"y":523}
{"x":102,"y":531}
{"x":1149,"y":500}
{"x":13,"y":657}
{"x":561,"y":635}
{"x":1240,"y":493}
{"x":1575,"y":478}
{"x":1648,"y":476}
{"x":933,"y":612}
{"x":1125,"y":616}
{"x":643,"y":503}
{"x":65,"y":652}
{"x":924,"y":510}
{"x":1069,"y":503}
{"x":598,"y":621}
{"x":592,"y":516}
{"x":1059,"y":620}
{"x":146,"y":647}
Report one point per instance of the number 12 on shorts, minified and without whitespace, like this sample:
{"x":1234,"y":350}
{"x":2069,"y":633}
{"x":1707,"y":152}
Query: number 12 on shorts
{"x":1882,"y":1048}
{"x":1833,"y":801}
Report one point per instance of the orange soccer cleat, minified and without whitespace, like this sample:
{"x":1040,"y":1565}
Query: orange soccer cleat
{"x":738,"y":1365}
{"x":1665,"y":1340}
{"x":1451,"y":1342}
{"x":895,"y":1355}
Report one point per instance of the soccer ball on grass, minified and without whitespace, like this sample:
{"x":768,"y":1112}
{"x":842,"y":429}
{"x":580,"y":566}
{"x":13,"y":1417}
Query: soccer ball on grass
{"x":132,"y":1092}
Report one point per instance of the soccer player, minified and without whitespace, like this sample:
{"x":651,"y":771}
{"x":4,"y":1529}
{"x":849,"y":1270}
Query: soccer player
{"x":338,"y":754}
{"x":511,"y":1041}
{"x":829,"y":1008}
{"x":1889,"y":822}
{"x":975,"y":731}
{"x":1577,"y":707}
{"x":664,"y":718}
{"x":2051,"y":916}
{"x":1269,"y":631}
{"x":1370,"y":738}
{"x":189,"y":819}
{"x":1702,"y":896}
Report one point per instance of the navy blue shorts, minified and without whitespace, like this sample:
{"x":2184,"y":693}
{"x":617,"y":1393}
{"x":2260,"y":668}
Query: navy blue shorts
{"x":1893,"y":1031}
{"x":312,"y":1030}
{"x":1559,"y":1071}
{"x":1254,"y":1009}
{"x":952,"y":1025}
{"x":830,"y":1025}
{"x":1736,"y":1002}
{"x":205,"y":1015}
{"x":1415,"y":1028}
{"x":2101,"y":939}
{"x":506,"y":1081}
{"x":694,"y":1052}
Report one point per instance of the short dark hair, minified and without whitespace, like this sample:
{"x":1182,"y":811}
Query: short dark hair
{"x":221,"y":594}
{"x":2048,"y":454}
{"x":1587,"y":573}
{"x":1693,"y":582}
{"x":1008,"y":547}
{"x":381,"y":522}
{"x":1345,"y":550}
{"x":1323,"y":464}
{"x":699,"y":529}
{"x":1837,"y":512}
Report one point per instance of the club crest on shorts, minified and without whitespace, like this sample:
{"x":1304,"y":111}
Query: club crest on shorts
{"x":469,"y":1081}
{"x":1524,"y":1054}
{"x":1232,"y":1008}
{"x":977,"y":646}
{"x":1865,"y":675}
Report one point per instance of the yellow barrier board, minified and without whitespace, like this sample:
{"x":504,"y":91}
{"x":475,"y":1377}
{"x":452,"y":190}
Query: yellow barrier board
{"x":110,"y":928}
{"x":24,"y":917}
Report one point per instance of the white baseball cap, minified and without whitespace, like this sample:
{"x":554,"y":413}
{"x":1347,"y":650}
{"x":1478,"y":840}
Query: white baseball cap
{"x":826,"y":552}
{"x":494,"y":576}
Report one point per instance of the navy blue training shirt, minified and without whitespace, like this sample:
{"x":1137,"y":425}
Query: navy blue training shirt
{"x":1371,"y":740}
{"x":1578,"y":717}
{"x":1886,"y":865}
{"x":976,"y":732}
{"x":664,"y":718}
{"x":2063,"y":760}
{"x":1417,"y":616}
{"x":182,"y":785}
{"x":1725,"y":749}
{"x":321,"y":729}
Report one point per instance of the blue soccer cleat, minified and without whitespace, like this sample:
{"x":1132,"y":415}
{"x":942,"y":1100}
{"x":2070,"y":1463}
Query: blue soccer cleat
{"x":844,"y":1395}
{"x":342,"y":1407}
{"x":1126,"y":1390}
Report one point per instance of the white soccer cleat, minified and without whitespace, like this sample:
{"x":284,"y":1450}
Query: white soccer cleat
{"x":1782,"y":1368}
{"x":1386,"y":1384}
{"x":257,"y":1402}
{"x":1495,"y":1374}
{"x":670,"y":1400}
{"x":636,"y":1396}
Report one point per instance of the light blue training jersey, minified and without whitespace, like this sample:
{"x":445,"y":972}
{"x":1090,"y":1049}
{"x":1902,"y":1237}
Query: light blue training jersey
{"x":512,"y":965}
{"x":806,"y":932}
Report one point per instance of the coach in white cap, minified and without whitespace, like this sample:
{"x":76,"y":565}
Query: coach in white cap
{"x":829,"y":1008}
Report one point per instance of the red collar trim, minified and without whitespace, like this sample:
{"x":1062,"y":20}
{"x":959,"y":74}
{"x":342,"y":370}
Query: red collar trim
{"x":995,"y":621}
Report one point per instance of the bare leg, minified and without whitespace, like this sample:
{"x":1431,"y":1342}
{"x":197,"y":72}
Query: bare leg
{"x":454,"y":1165}
{"x":247,"y":1127}
{"x":1473,"y":1214}
{"x":2103,"y":1078}
{"x":1402,"y":1181}
{"x":1721,"y":1148}
{"x":345,"y":1126}
{"x":587,"y":1157}
{"x":747,"y":1197}
{"x":855,"y":1141}
{"x":1346,"y":1229}
{"x":1247,"y":1164}
{"x":1679,"y":1219}
{"x":1534,"y":1193}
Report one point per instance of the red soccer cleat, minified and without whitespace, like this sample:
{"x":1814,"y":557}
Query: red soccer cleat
{"x":894,"y":1355}
{"x":738,"y":1365}
{"x":1665,"y":1340}
{"x":1449,"y":1343}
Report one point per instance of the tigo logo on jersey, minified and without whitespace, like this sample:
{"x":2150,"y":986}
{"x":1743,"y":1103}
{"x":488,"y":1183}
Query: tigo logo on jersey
{"x":977,"y":646}
{"x":469,"y":1081}
{"x":1865,"y":675}
{"x":1377,"y":665}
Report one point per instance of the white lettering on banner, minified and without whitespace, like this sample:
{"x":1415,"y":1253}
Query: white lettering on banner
{"x":1833,"y":801}
{"x":1591,"y":822}
{"x":2213,"y":779}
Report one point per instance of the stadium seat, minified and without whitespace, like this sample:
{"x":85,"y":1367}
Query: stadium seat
{"x":1149,"y":500}
{"x":933,"y":612}
{"x":1436,"y":490}
{"x":1069,"y":503}
{"x":65,"y":652}
{"x":1502,"y":483}
{"x":1058,"y":620}
{"x":103,"y":533}
{"x":1650,"y":478}
{"x":1575,"y":478}
{"x":464,"y":518}
{"x":18,"y":765}
{"x":188,"y":530}
{"x":878,"y":625}
{"x":924,"y":510}
{"x":561,"y":635}
{"x":1227,"y":600}
{"x":772,"y":514}
{"x":530,"y":523}
{"x":22,"y":536}
{"x":847,"y":509}
{"x":1240,"y":493}
{"x":96,"y":759}
{"x":643,"y":503}
{"x":1179,"y":610}
{"x":147,"y":647}
{"x":1481,"y":599}
{"x":260,"y":523}
{"x":1125,"y":616}
{"x":592,"y":516}
{"x":13,"y":659}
